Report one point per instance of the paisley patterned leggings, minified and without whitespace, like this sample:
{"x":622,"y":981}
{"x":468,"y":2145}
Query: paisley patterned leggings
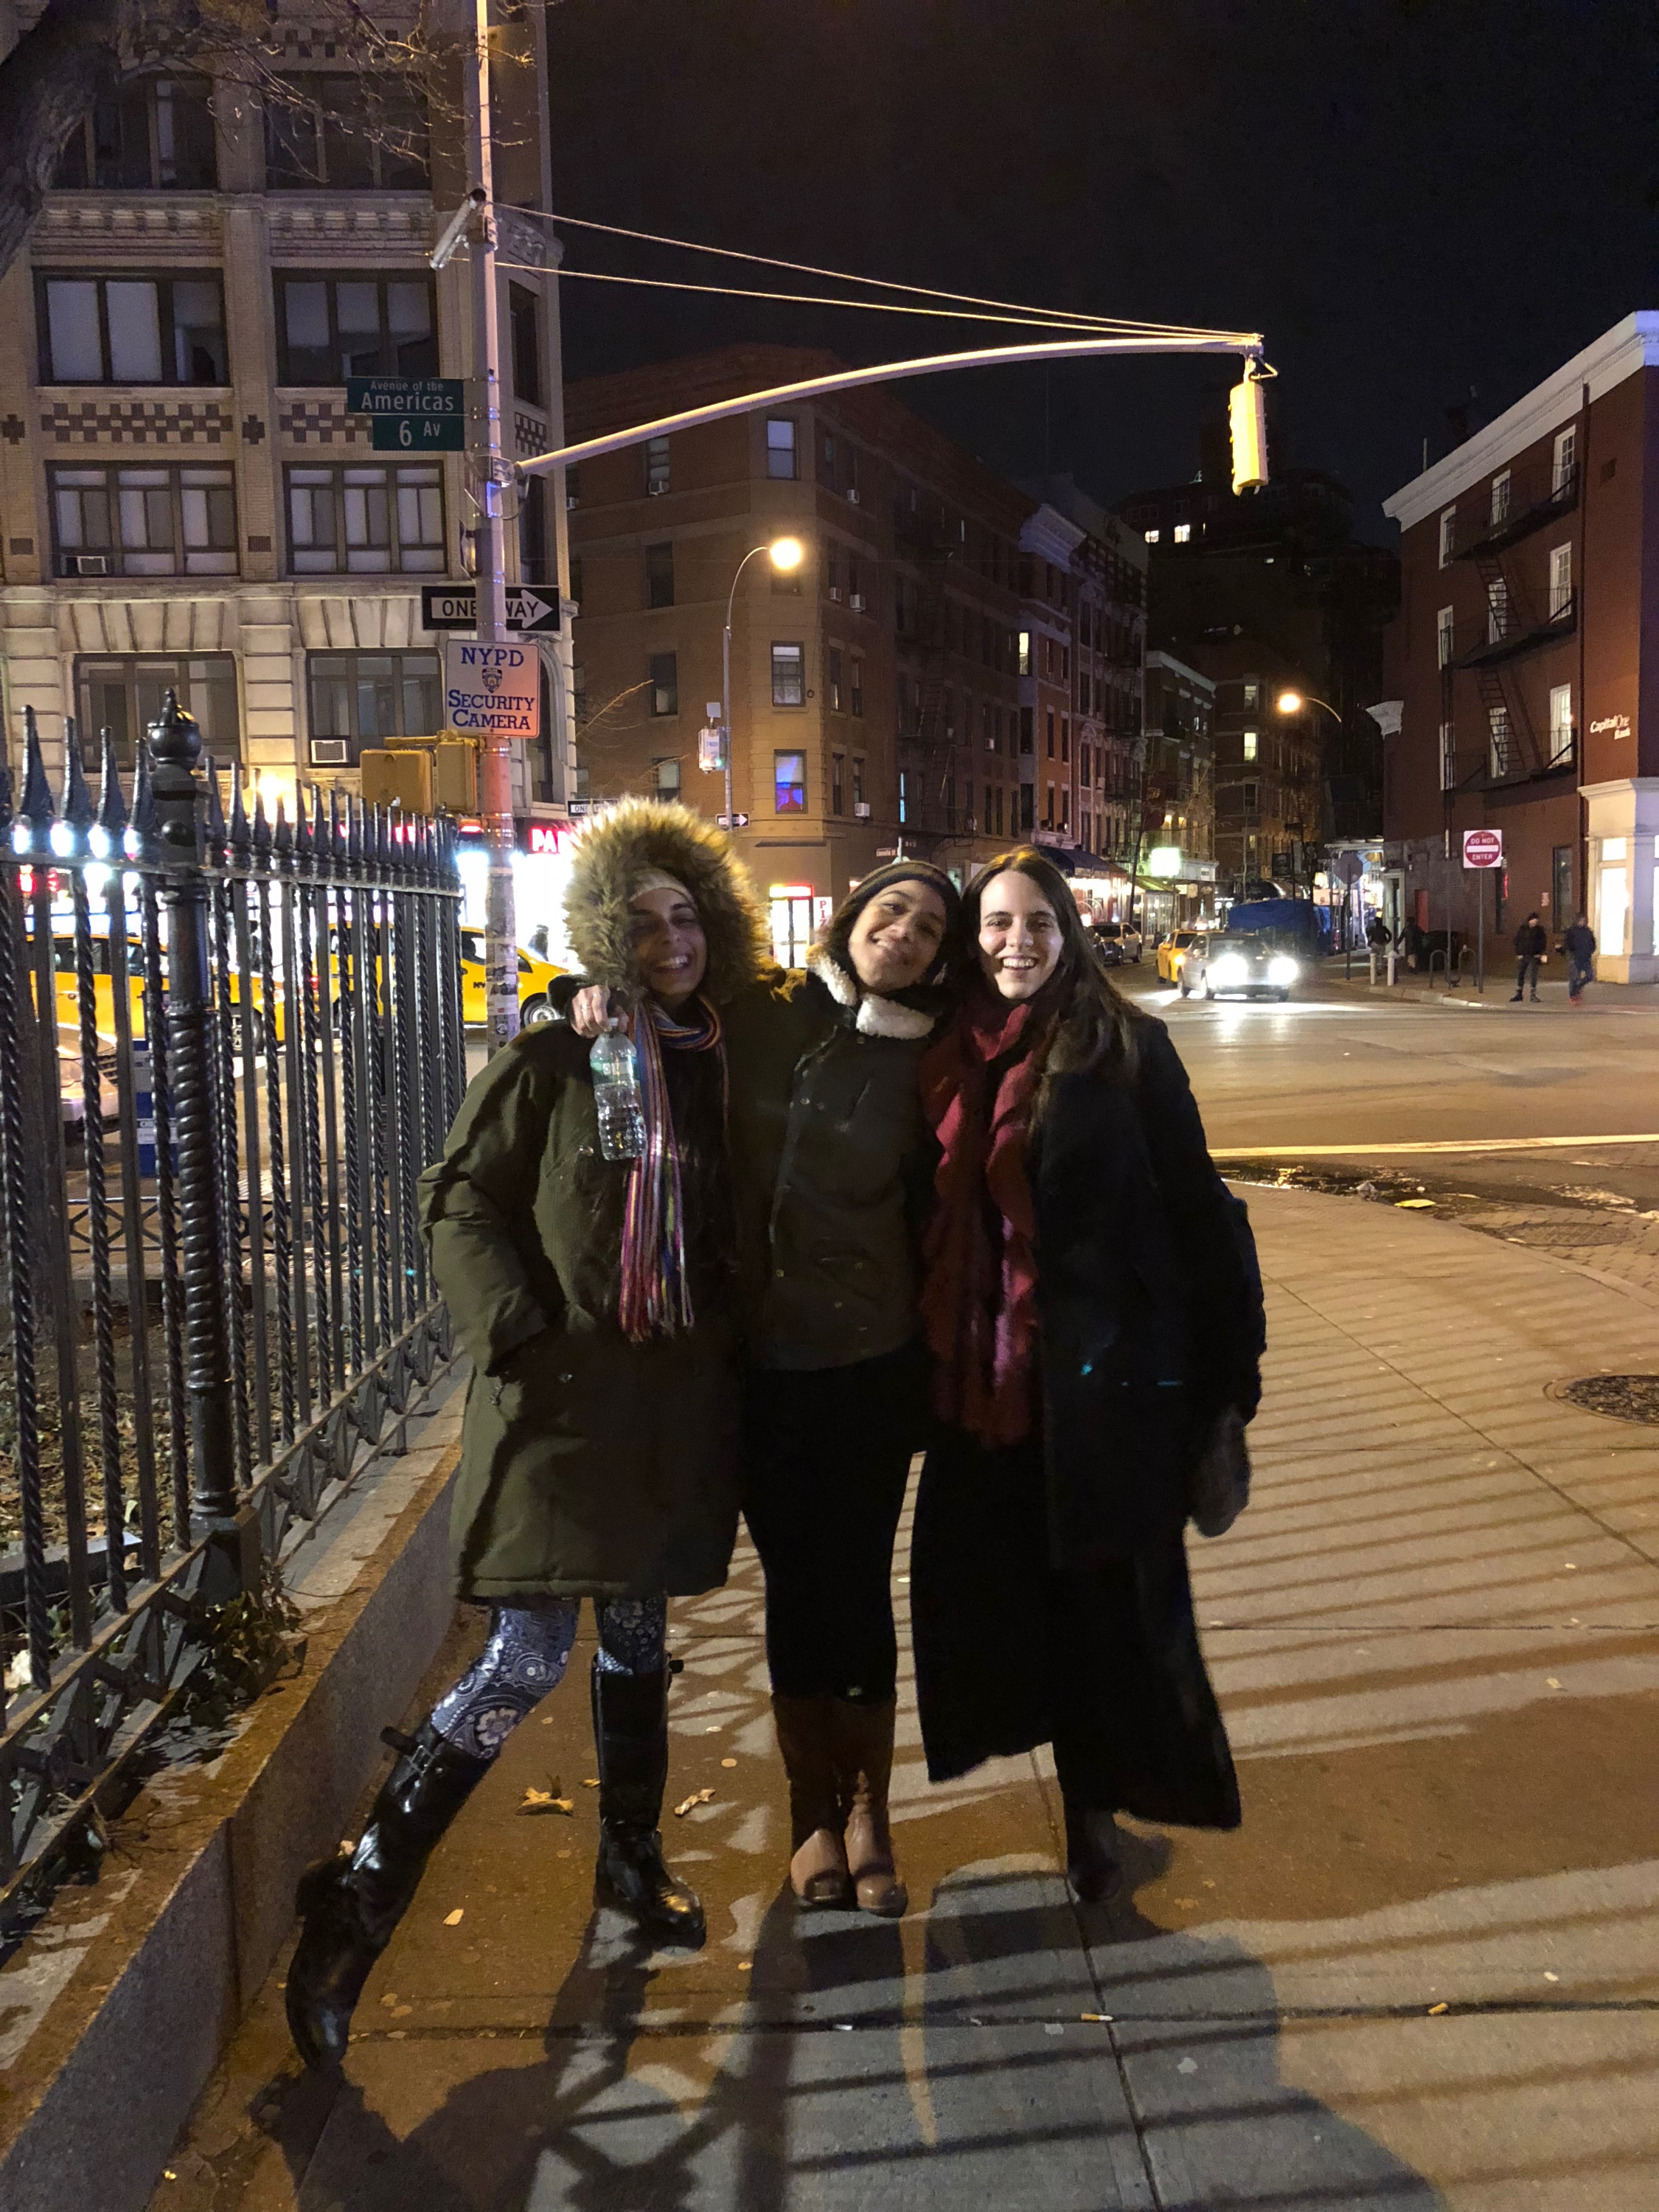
{"x":526,"y":1656}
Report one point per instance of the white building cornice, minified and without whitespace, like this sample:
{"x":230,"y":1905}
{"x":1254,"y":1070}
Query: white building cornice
{"x":1050,"y":535}
{"x":1628,"y":347}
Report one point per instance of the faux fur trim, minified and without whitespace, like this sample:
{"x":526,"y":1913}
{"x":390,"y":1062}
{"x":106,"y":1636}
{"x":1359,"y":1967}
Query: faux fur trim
{"x":876,"y":1016}
{"x":637,"y":834}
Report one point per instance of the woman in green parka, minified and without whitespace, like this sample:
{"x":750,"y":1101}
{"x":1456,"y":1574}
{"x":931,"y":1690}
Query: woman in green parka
{"x":599,"y":1451}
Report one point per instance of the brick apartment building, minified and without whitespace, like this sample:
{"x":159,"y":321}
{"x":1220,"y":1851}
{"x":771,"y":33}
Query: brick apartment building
{"x":917,"y":684}
{"x":186,"y":500}
{"x":1526,"y":659}
{"x":1180,"y":793}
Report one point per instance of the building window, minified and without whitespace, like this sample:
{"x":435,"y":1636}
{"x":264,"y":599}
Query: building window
{"x":788,"y":675}
{"x":665,"y":777}
{"x":664,"y":683}
{"x":1253,"y":692}
{"x":1500,"y":499}
{"x":329,"y":328}
{"x":1446,"y":637}
{"x":1181,"y":533}
{"x":1049,"y":732}
{"x":534,"y":561}
{"x":524,"y":320}
{"x":366,"y":521}
{"x":1565,"y":459}
{"x":344,"y":130}
{"x":1151,"y":536}
{"x":1561,"y":883}
{"x":1250,"y":794}
{"x":857,"y":779}
{"x":1251,"y":737}
{"x":838,"y":783}
{"x":1560,"y":723}
{"x":1447,"y":535}
{"x":827,"y":460}
{"x":1065,"y":737}
{"x":660,"y":576}
{"x":854,"y":586}
{"x":1023,"y":659}
{"x":836,"y":683}
{"x":1498,"y":610}
{"x":1497,"y":741}
{"x":1448,"y":758}
{"x":855,"y":685}
{"x":132,"y":330}
{"x":1027,"y":737}
{"x":781,"y":458}
{"x":125,"y":695}
{"x":147,"y":134}
{"x":656,"y":467}
{"x":789,"y":783}
{"x":903,"y":795}
{"x":1560,"y":581}
{"x":144,"y":522}
{"x":1064,"y":806}
{"x":355,"y":700}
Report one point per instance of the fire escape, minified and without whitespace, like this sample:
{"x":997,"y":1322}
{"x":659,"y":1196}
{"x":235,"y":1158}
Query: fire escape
{"x":1513,"y":627}
{"x":925,"y":651}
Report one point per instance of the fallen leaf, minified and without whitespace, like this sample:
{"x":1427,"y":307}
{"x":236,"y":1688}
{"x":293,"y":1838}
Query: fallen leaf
{"x":697,"y":1797}
{"x":745,"y":1967}
{"x":1406,"y":1204}
{"x":1548,"y":1976}
{"x":545,"y":1800}
{"x":1188,"y":2066}
{"x":728,"y":1762}
{"x":453,"y":1919}
{"x":1436,"y":2010}
{"x":1552,"y":1681}
{"x":590,"y":1782}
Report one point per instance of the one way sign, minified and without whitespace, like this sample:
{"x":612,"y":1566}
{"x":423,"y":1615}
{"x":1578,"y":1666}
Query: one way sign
{"x":532,"y":610}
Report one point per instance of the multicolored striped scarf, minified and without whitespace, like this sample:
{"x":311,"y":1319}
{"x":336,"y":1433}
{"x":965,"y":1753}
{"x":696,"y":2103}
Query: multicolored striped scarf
{"x":656,"y":1288}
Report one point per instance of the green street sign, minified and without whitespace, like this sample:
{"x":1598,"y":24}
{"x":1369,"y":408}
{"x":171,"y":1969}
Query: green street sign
{"x":411,"y":414}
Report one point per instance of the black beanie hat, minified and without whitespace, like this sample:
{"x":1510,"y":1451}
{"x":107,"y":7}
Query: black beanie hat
{"x":840,"y":927}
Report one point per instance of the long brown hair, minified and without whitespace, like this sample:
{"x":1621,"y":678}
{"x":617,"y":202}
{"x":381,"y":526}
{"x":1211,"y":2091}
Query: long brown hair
{"x":1097,"y":1023}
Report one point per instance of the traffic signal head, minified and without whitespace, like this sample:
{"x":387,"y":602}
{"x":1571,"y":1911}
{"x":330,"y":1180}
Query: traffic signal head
{"x":1247,"y":419}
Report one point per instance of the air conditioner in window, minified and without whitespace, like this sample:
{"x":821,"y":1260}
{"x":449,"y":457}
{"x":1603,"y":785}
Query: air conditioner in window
{"x":856,"y":602}
{"x":862,"y":810}
{"x":852,"y":495}
{"x":330,"y":752}
{"x":86,"y":564}
{"x":835,"y":593}
{"x":655,"y":490}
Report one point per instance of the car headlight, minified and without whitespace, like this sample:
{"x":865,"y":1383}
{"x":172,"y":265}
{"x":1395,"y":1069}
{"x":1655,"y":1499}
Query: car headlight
{"x":1281,"y":969}
{"x":1230,"y":969}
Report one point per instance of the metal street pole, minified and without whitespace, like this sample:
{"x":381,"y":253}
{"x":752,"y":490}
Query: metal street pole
{"x":725,"y":703}
{"x":501,"y":921}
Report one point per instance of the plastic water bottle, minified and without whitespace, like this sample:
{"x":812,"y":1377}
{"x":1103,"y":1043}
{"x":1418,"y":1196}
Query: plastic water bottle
{"x":616,"y":1067}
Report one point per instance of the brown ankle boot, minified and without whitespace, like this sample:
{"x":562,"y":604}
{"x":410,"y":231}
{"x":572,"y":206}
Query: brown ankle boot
{"x":817,"y":1871}
{"x":865,"y":1734}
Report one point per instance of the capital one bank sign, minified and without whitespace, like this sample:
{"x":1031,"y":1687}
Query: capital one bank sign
{"x":493,"y":689}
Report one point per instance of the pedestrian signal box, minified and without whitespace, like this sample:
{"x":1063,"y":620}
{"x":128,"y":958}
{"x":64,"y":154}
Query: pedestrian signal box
{"x":399,"y":778}
{"x":1247,"y":419}
{"x":455,"y":776}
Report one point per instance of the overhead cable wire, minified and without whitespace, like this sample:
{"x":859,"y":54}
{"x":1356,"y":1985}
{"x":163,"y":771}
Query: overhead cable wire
{"x":829,"y":300}
{"x":1107,"y":323}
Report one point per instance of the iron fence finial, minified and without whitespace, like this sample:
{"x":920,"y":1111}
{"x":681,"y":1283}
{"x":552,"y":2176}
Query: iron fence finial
{"x":175,"y":746}
{"x":37,"y":790}
{"x":77,"y":808}
{"x":112,"y":804}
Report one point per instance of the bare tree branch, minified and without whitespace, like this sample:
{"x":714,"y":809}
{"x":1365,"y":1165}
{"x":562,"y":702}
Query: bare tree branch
{"x":47,"y":84}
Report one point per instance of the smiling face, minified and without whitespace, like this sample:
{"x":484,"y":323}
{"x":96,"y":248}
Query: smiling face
{"x":670,"y":949}
{"x":1019,"y":935}
{"x":896,"y":937}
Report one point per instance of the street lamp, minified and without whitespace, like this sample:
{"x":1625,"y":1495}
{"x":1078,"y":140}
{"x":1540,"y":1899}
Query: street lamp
{"x":1292,"y":702}
{"x":786,"y":555}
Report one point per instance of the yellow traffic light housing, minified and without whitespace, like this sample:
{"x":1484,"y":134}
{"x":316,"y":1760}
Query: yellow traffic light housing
{"x":399,"y":778}
{"x":1247,"y":420}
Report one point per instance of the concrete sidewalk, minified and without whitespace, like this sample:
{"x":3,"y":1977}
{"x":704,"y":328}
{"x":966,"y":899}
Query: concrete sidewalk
{"x":1423,"y":1974}
{"x":1412,"y":986}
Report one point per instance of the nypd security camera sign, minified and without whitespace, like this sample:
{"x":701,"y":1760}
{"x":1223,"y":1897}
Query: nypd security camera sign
{"x":492,"y":688}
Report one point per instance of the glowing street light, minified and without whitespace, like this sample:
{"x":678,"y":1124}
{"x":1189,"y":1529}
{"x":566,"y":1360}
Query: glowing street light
{"x":1292,"y":702}
{"x":788,"y":554}
{"x":785,"y":554}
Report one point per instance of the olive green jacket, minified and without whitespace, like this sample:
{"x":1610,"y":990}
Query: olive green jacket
{"x":825,"y":1121}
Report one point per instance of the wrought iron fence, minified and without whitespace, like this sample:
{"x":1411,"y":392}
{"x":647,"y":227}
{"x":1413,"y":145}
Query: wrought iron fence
{"x":227,"y":1046}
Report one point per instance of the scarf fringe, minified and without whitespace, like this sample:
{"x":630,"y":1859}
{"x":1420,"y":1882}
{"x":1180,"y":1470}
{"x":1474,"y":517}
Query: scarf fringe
{"x":655,"y":1297}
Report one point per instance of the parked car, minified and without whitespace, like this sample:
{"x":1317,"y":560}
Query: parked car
{"x":1173,"y":951}
{"x":534,"y":977}
{"x":1245,"y":964}
{"x":1124,"y":938}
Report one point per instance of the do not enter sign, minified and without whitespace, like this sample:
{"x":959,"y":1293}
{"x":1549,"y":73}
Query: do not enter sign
{"x":1483,"y":848}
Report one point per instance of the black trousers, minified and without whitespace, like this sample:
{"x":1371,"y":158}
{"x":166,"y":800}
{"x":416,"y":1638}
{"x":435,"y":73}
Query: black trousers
{"x":828,"y":1452}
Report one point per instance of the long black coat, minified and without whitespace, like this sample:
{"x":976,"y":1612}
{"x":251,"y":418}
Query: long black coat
{"x":1049,"y":1589}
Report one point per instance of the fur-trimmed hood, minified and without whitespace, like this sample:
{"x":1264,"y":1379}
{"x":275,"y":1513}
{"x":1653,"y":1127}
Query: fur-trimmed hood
{"x":876,"y":1016}
{"x":613,"y":851}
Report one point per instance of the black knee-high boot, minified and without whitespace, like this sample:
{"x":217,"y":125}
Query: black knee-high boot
{"x":631,"y":1734}
{"x":350,"y":1904}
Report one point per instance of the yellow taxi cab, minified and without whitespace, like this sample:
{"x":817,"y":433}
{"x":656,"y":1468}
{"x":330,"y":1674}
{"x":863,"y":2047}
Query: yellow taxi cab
{"x":1173,"y":951}
{"x":534,"y":977}
{"x":63,"y":961}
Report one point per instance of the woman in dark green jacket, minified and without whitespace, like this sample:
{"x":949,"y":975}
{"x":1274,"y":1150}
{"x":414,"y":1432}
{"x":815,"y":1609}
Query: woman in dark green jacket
{"x":599,"y":1453}
{"x":825,"y":1125}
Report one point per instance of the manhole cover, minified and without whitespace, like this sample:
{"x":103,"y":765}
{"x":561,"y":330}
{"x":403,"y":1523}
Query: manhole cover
{"x":1623,"y":1397}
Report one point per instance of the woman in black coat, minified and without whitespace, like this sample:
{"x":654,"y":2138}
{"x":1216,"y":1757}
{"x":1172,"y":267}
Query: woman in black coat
{"x":1094,"y":1309}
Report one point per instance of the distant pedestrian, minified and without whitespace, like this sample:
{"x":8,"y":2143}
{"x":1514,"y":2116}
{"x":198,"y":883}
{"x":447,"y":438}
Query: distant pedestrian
{"x":1411,"y":941}
{"x":1093,"y":1307}
{"x":1531,"y":946}
{"x":1378,"y":935}
{"x":1578,"y":943}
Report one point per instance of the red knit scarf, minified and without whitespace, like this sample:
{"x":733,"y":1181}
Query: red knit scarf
{"x":979,"y":1291}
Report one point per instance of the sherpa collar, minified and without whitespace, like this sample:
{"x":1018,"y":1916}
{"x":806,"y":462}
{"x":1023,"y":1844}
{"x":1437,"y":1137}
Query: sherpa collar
{"x":876,"y":1016}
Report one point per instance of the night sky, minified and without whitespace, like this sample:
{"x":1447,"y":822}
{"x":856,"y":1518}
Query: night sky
{"x":1410,"y":197}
